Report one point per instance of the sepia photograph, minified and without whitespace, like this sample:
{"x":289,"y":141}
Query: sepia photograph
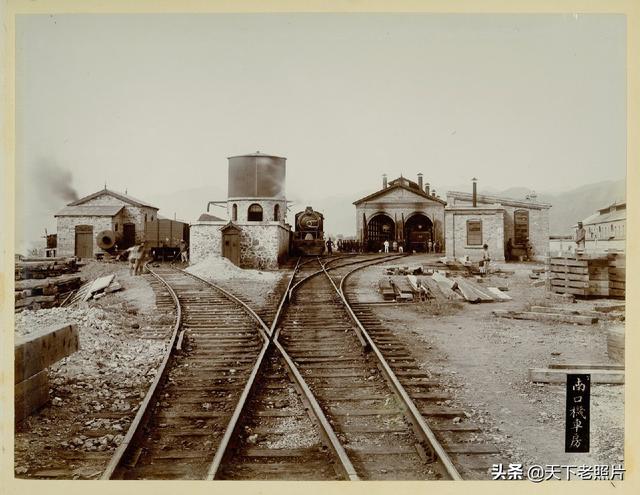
{"x":320,"y":246}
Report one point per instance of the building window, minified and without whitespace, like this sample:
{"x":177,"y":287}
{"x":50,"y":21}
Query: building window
{"x":255,"y":213}
{"x":474,"y":233}
{"x":145,"y":217}
{"x":116,"y":227}
{"x":234,"y":213}
{"x":520,"y":227}
{"x":276,"y":213}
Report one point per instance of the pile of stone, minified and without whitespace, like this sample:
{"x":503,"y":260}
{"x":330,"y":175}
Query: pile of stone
{"x":44,"y":282}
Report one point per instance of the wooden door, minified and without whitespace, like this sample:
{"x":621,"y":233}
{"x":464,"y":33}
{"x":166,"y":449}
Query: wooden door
{"x":128,"y":235}
{"x":84,"y":241}
{"x":231,"y":246}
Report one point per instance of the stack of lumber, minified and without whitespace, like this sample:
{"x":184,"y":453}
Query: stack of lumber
{"x":557,"y":373}
{"x":617,"y":275}
{"x":551,"y":314}
{"x":44,"y":282}
{"x":402,"y":289}
{"x":29,"y":268}
{"x":459,"y":288}
{"x":588,"y":275}
{"x":384,"y":286}
{"x":33,"y":354}
{"x":96,"y":289}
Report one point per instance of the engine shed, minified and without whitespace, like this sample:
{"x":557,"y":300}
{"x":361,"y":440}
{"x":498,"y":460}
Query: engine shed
{"x":79,"y":222}
{"x":404,"y":211}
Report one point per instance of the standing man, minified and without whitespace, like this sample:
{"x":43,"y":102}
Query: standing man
{"x":395,"y":246}
{"x":143,"y":253}
{"x":436,"y":246}
{"x":484,"y":263}
{"x":184,"y":251}
{"x":581,"y":236}
{"x":329,"y":246}
{"x":386,"y":246}
{"x":430,"y":246}
{"x":509,"y":249}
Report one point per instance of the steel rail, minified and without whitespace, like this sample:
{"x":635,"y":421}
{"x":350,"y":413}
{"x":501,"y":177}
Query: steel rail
{"x":268,"y":334}
{"x":360,"y":330}
{"x":414,"y":414}
{"x":144,"y":410}
{"x":330,"y":435}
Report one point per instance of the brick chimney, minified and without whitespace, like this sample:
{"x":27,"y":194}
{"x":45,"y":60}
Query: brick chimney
{"x":384,"y":181}
{"x":420,"y":180}
{"x":426,"y":188}
{"x":475,"y":192}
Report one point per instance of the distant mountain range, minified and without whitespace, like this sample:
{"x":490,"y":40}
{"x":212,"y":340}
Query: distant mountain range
{"x":340,"y":216}
{"x":576,"y":204}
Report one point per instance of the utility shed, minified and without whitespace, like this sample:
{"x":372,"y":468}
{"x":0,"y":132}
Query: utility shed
{"x":80,"y":221}
{"x":495,"y":220}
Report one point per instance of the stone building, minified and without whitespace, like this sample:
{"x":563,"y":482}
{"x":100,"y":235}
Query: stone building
{"x":606,"y":229}
{"x":403,"y":211}
{"x":472,"y":220}
{"x":255,"y":233}
{"x":80,"y":221}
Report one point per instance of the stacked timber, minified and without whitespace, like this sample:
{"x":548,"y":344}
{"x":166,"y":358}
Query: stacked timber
{"x":617,"y":275}
{"x":29,"y":268}
{"x":33,"y":354}
{"x":44,"y":282}
{"x":581,"y":275}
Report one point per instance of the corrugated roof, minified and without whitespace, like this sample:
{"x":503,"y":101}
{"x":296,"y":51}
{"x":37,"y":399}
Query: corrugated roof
{"x":612,"y":216}
{"x":486,"y":198}
{"x":89,"y":211}
{"x":121,"y":196}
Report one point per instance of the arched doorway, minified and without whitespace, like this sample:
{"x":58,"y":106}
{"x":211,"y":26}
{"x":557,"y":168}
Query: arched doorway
{"x":418,"y":230}
{"x":379,"y":229}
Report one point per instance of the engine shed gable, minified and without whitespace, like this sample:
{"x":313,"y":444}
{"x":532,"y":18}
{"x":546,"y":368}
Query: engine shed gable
{"x":400,"y":192}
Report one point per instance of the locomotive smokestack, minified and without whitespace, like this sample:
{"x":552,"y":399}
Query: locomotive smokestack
{"x":384,"y":181}
{"x":426,"y":188}
{"x":475,"y":192}
{"x":420,"y":181}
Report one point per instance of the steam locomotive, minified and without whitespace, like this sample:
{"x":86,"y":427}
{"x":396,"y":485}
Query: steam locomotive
{"x":308,"y":237}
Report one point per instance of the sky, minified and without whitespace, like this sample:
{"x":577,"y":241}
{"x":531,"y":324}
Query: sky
{"x":155,"y":103}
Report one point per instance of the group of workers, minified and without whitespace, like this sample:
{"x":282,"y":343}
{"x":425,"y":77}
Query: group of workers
{"x":139,"y":254}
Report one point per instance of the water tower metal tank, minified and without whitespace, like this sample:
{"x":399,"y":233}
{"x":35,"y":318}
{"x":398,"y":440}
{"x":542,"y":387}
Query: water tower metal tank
{"x":257,"y":176}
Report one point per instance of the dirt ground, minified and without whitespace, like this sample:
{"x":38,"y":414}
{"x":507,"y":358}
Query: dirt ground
{"x":484,"y":361}
{"x":95,"y":392}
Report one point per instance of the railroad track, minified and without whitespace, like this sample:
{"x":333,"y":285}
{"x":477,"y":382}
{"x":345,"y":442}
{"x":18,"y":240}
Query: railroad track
{"x":206,"y":415}
{"x":462,"y":440}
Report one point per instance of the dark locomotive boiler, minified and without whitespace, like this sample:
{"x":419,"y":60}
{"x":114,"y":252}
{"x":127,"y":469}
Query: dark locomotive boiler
{"x":308,"y":238}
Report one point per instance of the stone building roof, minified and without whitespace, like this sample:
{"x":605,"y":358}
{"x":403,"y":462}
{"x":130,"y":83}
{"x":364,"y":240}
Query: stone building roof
{"x":487,"y":199}
{"x":613,"y":213}
{"x":401,"y":183}
{"x":123,"y":197}
{"x":206,"y":217}
{"x":89,"y":211}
